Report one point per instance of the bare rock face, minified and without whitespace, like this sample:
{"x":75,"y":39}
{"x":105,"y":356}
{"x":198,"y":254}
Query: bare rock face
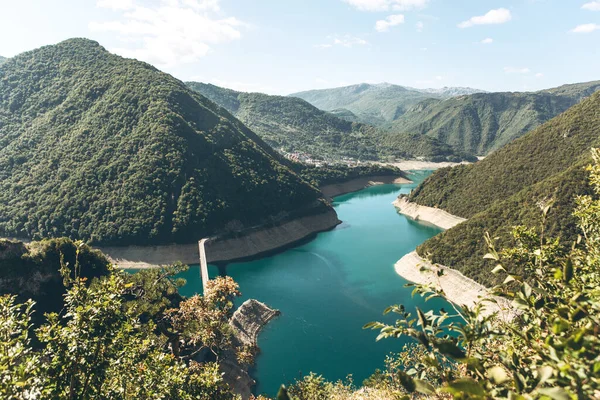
{"x":246,"y":322}
{"x":249,"y":319}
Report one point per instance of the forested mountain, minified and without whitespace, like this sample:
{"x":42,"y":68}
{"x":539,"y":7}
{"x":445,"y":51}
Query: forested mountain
{"x":483,"y":122}
{"x":107,"y":149}
{"x":372,"y":104}
{"x":3,"y":60}
{"x":506,"y":188}
{"x":375,"y":104}
{"x":296,"y":125}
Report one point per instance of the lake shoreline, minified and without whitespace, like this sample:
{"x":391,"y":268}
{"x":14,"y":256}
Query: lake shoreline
{"x":254,"y":243}
{"x":431,"y":215}
{"x":457,"y":288}
{"x":245,"y":246}
{"x":357,"y":184}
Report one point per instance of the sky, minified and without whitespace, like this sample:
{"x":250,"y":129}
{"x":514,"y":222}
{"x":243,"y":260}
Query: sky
{"x":285,"y":46}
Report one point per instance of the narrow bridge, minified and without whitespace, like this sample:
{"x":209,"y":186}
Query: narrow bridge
{"x":203,"y":264}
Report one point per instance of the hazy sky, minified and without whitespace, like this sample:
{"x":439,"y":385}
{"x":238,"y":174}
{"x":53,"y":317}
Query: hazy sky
{"x":283,"y":46}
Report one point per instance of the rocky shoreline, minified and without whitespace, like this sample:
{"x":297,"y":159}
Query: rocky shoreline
{"x":248,"y":244}
{"x":357,"y":184}
{"x":456,"y":287}
{"x":434,"y":216}
{"x":247,"y":322}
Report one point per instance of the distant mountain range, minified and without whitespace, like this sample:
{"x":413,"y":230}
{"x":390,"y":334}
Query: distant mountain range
{"x":295,"y":125}
{"x":505,"y":189}
{"x":378,"y":104}
{"x":484,"y":122}
{"x":471,"y":121}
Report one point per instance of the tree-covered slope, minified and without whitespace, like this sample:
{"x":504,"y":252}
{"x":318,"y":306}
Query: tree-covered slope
{"x":483,"y":122}
{"x":3,"y":60}
{"x":506,"y":188}
{"x":98,"y":147}
{"x":372,"y":104}
{"x":296,"y":125}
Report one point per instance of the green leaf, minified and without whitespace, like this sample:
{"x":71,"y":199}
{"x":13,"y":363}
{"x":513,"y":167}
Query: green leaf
{"x":407,"y":382}
{"x":499,"y":268}
{"x":490,"y":256}
{"x":449,"y":349}
{"x":422,"y":318}
{"x":568,"y":271}
{"x":544,"y":373}
{"x":497,"y":375}
{"x":560,"y":325}
{"x":465,"y":386}
{"x":555,"y":393}
{"x":283,"y":394}
{"x":424,"y":387}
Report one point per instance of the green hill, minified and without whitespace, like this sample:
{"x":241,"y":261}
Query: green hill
{"x":372,"y":104}
{"x":378,"y":104}
{"x":101,"y":148}
{"x":295,"y":125}
{"x":505,"y":188}
{"x":484,"y":122}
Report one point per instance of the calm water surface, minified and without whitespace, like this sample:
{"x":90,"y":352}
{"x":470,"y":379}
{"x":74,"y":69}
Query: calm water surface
{"x":329,"y":288}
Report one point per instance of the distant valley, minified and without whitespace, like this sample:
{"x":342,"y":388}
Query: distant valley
{"x":295,"y":125}
{"x":471,"y":122}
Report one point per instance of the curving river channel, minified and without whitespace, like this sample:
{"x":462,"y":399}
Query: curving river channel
{"x":328,"y":288}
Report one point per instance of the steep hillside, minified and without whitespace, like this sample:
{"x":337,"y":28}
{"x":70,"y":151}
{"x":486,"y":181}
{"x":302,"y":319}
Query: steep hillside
{"x":111,"y":150}
{"x":32,"y":271}
{"x":505,"y":188}
{"x":372,"y":104}
{"x":375,"y":104}
{"x":484,"y":122}
{"x":295,"y":125}
{"x":447,"y":92}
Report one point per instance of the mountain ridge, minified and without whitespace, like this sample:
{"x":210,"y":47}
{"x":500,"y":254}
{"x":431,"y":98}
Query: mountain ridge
{"x":375,"y":104}
{"x":484,"y":122}
{"x":295,"y":125}
{"x":111,"y":150}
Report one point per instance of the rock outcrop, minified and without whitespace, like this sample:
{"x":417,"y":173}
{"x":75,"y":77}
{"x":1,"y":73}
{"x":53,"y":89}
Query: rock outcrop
{"x":434,"y":216}
{"x":247,"y":321}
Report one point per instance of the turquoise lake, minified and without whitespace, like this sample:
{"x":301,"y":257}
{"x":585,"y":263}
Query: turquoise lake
{"x":328,"y":288}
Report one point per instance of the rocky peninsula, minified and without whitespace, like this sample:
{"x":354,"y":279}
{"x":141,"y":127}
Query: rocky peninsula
{"x":434,"y":216}
{"x":246,"y":322}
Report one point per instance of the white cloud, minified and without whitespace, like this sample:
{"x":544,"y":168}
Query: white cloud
{"x":586,"y":28}
{"x":115,"y":4}
{"x":539,"y":75}
{"x":513,"y":70}
{"x":487,"y":41}
{"x":343,"y":41}
{"x":420,"y":26}
{"x":169,"y":33}
{"x":592,"y":6}
{"x":386,"y":5}
{"x":392,"y":20}
{"x":498,"y":16}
